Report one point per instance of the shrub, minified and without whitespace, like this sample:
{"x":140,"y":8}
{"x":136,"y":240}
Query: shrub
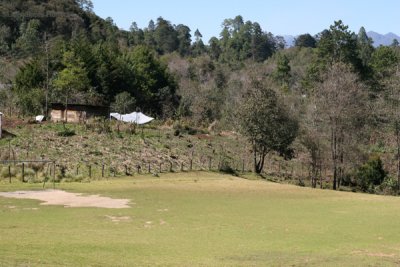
{"x":301,"y":183}
{"x":389,"y":186}
{"x":5,"y":174}
{"x":185,"y":128}
{"x":66,"y":132}
{"x":370,"y":174}
{"x":225,"y":167}
{"x":177,"y":132}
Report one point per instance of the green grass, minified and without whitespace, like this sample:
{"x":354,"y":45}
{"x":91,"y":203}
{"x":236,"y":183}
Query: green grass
{"x":202,"y":219}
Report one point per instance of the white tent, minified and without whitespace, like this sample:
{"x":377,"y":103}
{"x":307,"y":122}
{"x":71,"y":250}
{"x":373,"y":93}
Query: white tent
{"x":134,"y":117}
{"x":39,"y":118}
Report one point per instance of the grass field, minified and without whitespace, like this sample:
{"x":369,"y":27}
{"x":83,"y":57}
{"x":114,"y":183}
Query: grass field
{"x":202,"y":219}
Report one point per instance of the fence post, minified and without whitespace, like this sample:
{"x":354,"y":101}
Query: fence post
{"x":54,"y":175}
{"x":181,"y":166}
{"x":138,"y":168}
{"x":9,"y":173}
{"x":160,"y":167}
{"x":126,"y":170}
{"x":90,"y":171}
{"x":243,"y":166}
{"x":102,"y":170}
{"x":23,"y":172}
{"x":170,"y":166}
{"x":149,"y":168}
{"x":191,"y":165}
{"x":77,"y":170}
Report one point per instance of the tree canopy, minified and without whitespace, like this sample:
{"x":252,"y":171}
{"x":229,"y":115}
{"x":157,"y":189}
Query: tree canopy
{"x":267,"y":123}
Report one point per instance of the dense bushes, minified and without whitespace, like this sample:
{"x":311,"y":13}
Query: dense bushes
{"x":370,"y":174}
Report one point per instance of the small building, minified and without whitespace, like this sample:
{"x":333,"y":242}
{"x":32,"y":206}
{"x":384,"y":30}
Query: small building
{"x":76,"y":113}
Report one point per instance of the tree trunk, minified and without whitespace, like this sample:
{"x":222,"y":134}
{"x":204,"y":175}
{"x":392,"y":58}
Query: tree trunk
{"x":398,"y":158}
{"x":258,"y":163}
{"x":255,"y":157}
{"x":334,"y":156}
{"x":66,"y":109}
{"x":320,"y":174}
{"x":340,"y":152}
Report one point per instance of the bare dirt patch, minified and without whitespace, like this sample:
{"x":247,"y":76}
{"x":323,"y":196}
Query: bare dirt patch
{"x":67,"y":199}
{"x":118,"y":218}
{"x":374,"y":254}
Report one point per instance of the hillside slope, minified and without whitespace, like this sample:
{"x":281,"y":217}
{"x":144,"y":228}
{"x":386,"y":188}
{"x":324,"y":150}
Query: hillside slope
{"x":102,"y":143}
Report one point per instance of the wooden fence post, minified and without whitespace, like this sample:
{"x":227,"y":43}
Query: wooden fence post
{"x":138,"y":168}
{"x":160,"y":167}
{"x":149,"y":168}
{"x":170,"y":166}
{"x":191,"y":165}
{"x":102,"y":170}
{"x":9,"y":173}
{"x":23,"y":172}
{"x":54,"y":175}
{"x":90,"y":171}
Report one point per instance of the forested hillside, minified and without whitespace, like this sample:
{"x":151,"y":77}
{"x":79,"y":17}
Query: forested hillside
{"x":334,"y":96}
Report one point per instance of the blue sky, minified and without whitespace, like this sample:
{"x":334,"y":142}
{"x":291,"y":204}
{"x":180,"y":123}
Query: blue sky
{"x":279,"y":16}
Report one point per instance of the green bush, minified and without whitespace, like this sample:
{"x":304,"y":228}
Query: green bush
{"x":66,"y":132}
{"x":186,"y":129}
{"x":226,"y":167}
{"x":389,"y":186}
{"x":5,"y":174}
{"x":370,"y":174}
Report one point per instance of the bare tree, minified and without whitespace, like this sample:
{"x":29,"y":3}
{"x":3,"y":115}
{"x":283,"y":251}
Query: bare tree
{"x":391,"y":101}
{"x":312,"y":139}
{"x":340,"y":101}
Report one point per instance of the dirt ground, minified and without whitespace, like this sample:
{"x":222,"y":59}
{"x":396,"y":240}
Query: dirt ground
{"x":66,"y":199}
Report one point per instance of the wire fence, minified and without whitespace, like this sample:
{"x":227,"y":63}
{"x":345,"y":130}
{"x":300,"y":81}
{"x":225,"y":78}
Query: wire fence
{"x":43,"y":171}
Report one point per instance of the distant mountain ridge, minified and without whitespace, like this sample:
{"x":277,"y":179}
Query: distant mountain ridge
{"x":379,"y":39}
{"x":382,"y":39}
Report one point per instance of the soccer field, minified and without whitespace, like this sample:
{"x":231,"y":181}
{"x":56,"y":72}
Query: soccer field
{"x":201,"y":219}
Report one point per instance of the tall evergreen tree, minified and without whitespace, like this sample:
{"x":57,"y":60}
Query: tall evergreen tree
{"x":184,"y":39}
{"x":282,"y":72}
{"x":365,"y":47}
{"x":165,"y":36}
{"x":339,"y":44}
{"x":305,"y":40}
{"x":198,"y":47}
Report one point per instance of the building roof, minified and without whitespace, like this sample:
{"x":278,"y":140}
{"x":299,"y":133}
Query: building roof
{"x":62,"y":105}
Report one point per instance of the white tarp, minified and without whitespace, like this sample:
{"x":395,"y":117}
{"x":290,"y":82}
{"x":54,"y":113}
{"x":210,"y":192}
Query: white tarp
{"x":134,"y":117}
{"x":39,"y":118}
